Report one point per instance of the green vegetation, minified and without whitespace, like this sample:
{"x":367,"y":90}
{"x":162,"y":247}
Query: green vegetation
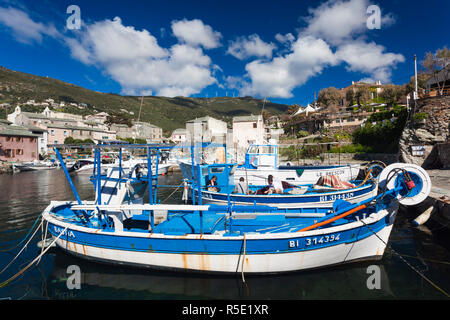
{"x":384,"y":135}
{"x":132,"y":141}
{"x":70,"y":140}
{"x":167,"y":113}
{"x":351,"y":148}
{"x":420,"y":116}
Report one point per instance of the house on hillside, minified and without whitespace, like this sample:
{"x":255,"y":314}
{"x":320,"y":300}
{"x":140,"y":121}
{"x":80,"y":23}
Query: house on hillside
{"x":178,"y":135}
{"x":206,"y":129}
{"x":17,"y":143}
{"x":374,"y":88}
{"x":248,"y":130}
{"x":139,"y":130}
{"x":441,"y":81}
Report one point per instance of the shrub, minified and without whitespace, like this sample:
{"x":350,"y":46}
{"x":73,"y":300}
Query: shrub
{"x":420,"y":116}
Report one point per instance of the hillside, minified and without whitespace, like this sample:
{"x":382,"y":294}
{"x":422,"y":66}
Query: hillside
{"x":168,"y":113}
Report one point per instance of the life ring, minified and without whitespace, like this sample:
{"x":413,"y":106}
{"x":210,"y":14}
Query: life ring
{"x":375,"y":168}
{"x":392,"y":175}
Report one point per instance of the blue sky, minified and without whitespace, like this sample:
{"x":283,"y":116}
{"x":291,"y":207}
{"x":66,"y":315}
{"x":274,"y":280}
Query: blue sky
{"x":283,"y":50}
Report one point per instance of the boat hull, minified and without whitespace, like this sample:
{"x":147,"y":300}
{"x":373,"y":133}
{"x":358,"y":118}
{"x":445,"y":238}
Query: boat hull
{"x":314,"y":200}
{"x":296,"y":175}
{"x":216,"y":253}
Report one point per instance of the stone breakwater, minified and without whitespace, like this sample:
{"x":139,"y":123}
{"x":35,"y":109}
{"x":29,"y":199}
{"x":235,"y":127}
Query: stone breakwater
{"x":432,"y":133}
{"x":5,"y":167}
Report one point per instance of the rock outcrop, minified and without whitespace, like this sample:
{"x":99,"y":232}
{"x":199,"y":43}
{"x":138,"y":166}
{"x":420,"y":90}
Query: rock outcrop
{"x":432,"y":134}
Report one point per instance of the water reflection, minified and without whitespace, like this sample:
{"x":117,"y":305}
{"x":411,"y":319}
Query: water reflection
{"x":23,"y":197}
{"x":346,"y":282}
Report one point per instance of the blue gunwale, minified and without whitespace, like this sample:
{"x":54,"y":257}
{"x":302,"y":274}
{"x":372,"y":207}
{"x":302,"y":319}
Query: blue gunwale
{"x":269,"y":243}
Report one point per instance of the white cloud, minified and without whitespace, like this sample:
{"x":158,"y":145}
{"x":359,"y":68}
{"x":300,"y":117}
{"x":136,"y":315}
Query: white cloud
{"x":334,"y":34}
{"x":369,"y":58}
{"x":337,"y":20}
{"x":195,"y":32}
{"x":251,"y":46}
{"x":286,"y":39}
{"x":24,"y":28}
{"x":135,"y":60}
{"x":278,"y":77}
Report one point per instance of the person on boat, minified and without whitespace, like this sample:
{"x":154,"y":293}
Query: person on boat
{"x":211,"y":185}
{"x":138,"y":172}
{"x":241,"y":187}
{"x":272,"y":187}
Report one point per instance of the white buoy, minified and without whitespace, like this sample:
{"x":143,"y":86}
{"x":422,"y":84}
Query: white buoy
{"x":45,"y":243}
{"x":420,"y":177}
{"x":421,"y":219}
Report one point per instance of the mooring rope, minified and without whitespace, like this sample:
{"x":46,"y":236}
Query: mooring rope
{"x":172,"y":193}
{"x":24,"y":247}
{"x":409,"y":265}
{"x":29,"y":232}
{"x":243,"y":259}
{"x":4,"y":283}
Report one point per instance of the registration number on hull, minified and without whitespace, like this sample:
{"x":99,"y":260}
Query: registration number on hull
{"x":315,"y":240}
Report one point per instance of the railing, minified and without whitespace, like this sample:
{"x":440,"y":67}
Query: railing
{"x":436,"y":93}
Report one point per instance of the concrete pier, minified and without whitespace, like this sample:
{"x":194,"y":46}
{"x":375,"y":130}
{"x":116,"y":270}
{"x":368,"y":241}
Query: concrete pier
{"x":439,"y":199}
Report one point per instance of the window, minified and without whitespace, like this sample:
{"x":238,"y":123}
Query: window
{"x":52,"y":132}
{"x":19,"y":152}
{"x":65,"y":132}
{"x":33,"y":154}
{"x":8,"y":153}
{"x":8,"y":138}
{"x":32,"y":140}
{"x":19,"y":139}
{"x":254,"y":125}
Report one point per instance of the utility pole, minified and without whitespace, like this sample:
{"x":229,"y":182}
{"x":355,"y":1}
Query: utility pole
{"x":416,"y":93}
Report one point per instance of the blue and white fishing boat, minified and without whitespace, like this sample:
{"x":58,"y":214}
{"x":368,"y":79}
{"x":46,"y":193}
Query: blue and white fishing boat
{"x":292,"y":196}
{"x":235,"y":239}
{"x":262,"y":161}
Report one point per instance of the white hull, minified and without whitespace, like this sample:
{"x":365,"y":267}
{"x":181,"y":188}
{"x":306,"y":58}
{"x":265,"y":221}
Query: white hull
{"x":371,"y":247}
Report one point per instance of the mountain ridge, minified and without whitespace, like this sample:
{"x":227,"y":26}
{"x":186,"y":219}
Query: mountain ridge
{"x":169,"y":113}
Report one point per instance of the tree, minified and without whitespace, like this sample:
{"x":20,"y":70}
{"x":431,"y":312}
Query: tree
{"x":293,"y":109}
{"x":350,"y":97}
{"x":266,"y":115}
{"x":329,"y":97}
{"x":422,"y":79}
{"x":392,"y":94}
{"x":362,"y":95}
{"x":437,"y":63}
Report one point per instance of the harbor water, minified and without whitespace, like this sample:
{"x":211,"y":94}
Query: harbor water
{"x":424,"y":258}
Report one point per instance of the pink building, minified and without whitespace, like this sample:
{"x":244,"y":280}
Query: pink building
{"x":17,"y":143}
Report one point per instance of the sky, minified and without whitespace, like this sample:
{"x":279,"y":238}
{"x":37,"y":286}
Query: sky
{"x":285,"y":51}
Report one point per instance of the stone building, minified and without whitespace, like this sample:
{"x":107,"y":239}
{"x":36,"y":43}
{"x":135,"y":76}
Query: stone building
{"x":17,"y":143}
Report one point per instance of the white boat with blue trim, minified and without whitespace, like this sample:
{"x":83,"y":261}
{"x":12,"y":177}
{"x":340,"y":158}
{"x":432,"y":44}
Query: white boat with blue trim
{"x":289,"y":195}
{"x":262,"y":161}
{"x":236,"y":239}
